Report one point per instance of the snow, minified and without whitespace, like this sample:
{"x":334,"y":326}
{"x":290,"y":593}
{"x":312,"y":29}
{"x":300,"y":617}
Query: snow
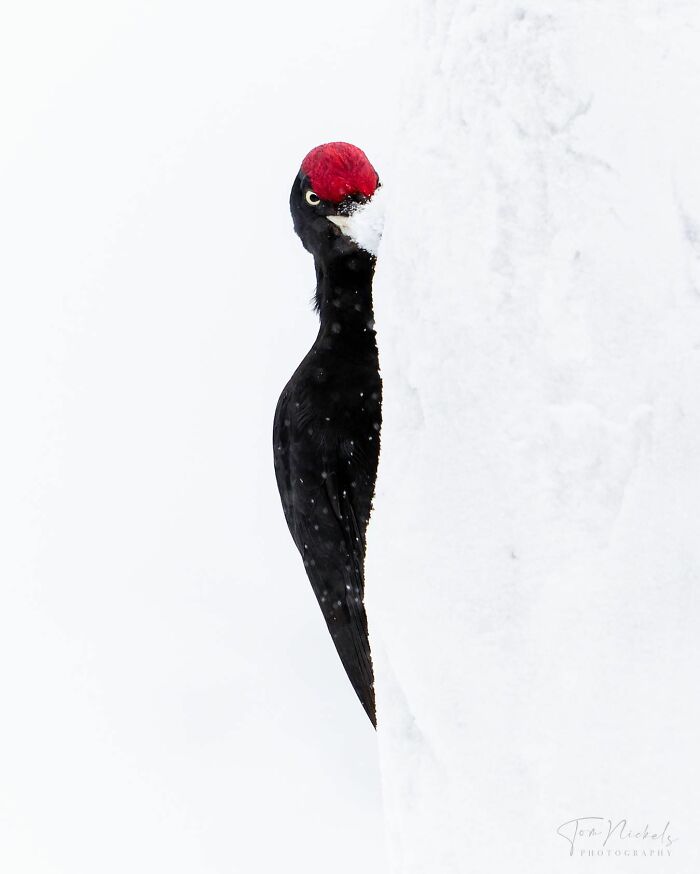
{"x":171,"y":699}
{"x":533,"y":557}
{"x":366,"y":222}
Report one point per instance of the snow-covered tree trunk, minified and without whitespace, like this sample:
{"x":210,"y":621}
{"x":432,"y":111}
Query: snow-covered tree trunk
{"x":534,"y":553}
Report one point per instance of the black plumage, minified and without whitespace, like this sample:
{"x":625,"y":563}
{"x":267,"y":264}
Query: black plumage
{"x":327,"y":430}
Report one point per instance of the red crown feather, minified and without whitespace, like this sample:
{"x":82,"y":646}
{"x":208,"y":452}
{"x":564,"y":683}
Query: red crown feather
{"x":338,"y":169}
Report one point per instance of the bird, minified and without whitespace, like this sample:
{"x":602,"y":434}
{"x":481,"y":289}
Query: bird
{"x":327,"y":423}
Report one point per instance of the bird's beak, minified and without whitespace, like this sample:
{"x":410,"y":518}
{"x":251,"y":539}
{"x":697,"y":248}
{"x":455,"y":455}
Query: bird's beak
{"x":341,"y":221}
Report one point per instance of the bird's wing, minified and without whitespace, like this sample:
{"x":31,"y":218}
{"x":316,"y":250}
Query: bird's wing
{"x":323,"y":522}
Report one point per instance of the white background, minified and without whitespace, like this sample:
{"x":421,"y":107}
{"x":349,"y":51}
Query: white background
{"x":170,"y":699}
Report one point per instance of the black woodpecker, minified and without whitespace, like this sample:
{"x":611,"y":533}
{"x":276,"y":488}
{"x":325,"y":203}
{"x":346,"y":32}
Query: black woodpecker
{"x":328,"y":418}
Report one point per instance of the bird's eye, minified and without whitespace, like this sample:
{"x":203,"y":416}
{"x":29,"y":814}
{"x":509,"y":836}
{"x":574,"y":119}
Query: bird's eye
{"x":312,"y":198}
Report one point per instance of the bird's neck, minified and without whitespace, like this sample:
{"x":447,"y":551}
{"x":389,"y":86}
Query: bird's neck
{"x":344,"y":293}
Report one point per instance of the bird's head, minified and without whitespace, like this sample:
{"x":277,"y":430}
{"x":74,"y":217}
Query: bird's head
{"x":333,"y":178}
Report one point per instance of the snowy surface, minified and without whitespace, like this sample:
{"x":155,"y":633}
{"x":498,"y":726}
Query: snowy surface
{"x":170,"y":698}
{"x":534,"y":558}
